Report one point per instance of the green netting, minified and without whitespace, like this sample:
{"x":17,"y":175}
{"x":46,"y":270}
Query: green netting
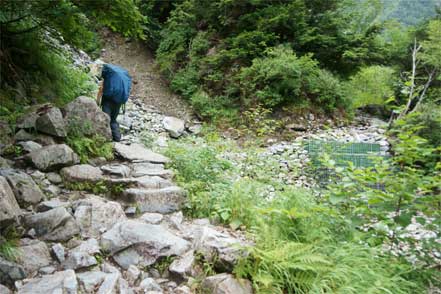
{"x":360,"y":154}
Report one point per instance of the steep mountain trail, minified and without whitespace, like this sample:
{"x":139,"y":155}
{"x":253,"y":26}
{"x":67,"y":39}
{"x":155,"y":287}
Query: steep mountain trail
{"x":148,"y":86}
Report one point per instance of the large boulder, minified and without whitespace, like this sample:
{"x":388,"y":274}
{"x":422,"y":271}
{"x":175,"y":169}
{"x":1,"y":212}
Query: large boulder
{"x":85,"y":114}
{"x":9,"y":209}
{"x":96,"y":215}
{"x":218,"y":247}
{"x":10,"y":272}
{"x":174,"y":126}
{"x":137,"y":152}
{"x":53,"y":225}
{"x":33,"y":255}
{"x":59,"y":282}
{"x":4,"y":290}
{"x":25,"y":189}
{"x":82,"y":173}
{"x":29,"y":146}
{"x":135,"y":242}
{"x":227,"y":284}
{"x":163,"y":200}
{"x":83,"y":255}
{"x":53,"y":157}
{"x":52,"y":123}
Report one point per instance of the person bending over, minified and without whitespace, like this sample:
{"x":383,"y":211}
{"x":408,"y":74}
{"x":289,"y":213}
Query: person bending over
{"x":114,"y":93}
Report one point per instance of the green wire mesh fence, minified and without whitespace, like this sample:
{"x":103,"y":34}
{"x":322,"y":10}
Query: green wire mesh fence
{"x":361,"y":155}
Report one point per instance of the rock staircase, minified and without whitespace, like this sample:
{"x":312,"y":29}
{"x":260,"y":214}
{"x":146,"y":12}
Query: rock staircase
{"x":106,"y":227}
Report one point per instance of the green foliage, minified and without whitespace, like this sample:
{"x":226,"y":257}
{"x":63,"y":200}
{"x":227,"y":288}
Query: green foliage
{"x":34,"y":65}
{"x":282,"y":78}
{"x":372,"y":85}
{"x":87,"y":148}
{"x":9,"y":240}
{"x":231,"y":59}
{"x":431,"y":54}
{"x":301,"y":246}
{"x":256,"y":120}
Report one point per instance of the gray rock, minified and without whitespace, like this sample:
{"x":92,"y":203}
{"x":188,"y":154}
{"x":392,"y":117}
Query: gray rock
{"x":227,"y":284}
{"x":47,"y":270}
{"x":44,"y":140}
{"x":58,"y":252}
{"x":182,"y":290}
{"x":4,"y":290}
{"x":33,"y":255}
{"x":25,"y":190}
{"x":22,"y":135}
{"x":195,"y":129}
{"x":89,"y":281}
{"x":217,"y":246}
{"x":9,"y":209}
{"x":52,"y":123}
{"x":29,"y":146}
{"x":53,"y":157}
{"x":297,"y":127}
{"x":152,"y":182}
{"x":163,"y":200}
{"x":59,"y":282}
{"x":53,"y":225}
{"x":148,"y":241}
{"x":52,"y":190}
{"x":117,"y":169}
{"x":54,"y":178}
{"x":50,"y":204}
{"x":183,"y":265}
{"x":110,"y":284}
{"x":85,"y":114}
{"x":174,"y":126}
{"x":149,"y":284}
{"x":29,"y":118}
{"x":130,"y":211}
{"x":152,"y":218}
{"x":137,"y":152}
{"x":150,"y":169}
{"x":82,"y":255}
{"x":38,"y":175}
{"x":10,"y":272}
{"x":95,"y":215}
{"x":4,"y":163}
{"x":82,"y":173}
{"x":132,"y":274}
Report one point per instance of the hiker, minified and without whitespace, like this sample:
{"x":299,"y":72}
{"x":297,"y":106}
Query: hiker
{"x":114,"y":93}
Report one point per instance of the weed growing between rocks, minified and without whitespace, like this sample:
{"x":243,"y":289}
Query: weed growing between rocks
{"x":88,"y":148}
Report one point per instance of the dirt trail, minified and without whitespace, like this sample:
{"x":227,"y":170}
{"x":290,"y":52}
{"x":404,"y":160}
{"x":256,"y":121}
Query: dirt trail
{"x":148,"y":86}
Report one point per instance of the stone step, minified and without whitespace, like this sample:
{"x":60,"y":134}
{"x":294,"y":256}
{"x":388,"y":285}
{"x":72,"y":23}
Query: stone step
{"x":146,"y":182}
{"x":163,"y":200}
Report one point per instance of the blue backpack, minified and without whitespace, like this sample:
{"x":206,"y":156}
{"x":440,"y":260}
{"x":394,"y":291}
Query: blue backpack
{"x":117,"y":83}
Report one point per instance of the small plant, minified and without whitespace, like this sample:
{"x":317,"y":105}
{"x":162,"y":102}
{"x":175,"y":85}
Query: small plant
{"x":256,"y":120}
{"x":9,"y":243}
{"x":87,"y":148}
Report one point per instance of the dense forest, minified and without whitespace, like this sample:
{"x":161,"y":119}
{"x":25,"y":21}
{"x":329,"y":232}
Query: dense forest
{"x":246,"y":65}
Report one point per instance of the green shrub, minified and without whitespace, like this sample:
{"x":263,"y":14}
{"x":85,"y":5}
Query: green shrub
{"x":372,"y":85}
{"x":87,"y":148}
{"x":283,"y":78}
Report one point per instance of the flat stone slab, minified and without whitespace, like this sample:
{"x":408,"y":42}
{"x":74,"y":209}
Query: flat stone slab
{"x":164,"y":200}
{"x":59,"y":282}
{"x":82,"y":173}
{"x":138,"y":153}
{"x":150,"y":169}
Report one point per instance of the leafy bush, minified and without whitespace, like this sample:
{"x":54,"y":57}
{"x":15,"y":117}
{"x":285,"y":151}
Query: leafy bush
{"x":281,"y":77}
{"x":372,"y":85}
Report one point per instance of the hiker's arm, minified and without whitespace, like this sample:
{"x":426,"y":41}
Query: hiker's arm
{"x":100,"y":93}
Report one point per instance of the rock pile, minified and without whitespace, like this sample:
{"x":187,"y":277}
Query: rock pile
{"x":106,"y":227}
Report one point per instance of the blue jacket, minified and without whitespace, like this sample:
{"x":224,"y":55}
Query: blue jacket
{"x":117,"y":83}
